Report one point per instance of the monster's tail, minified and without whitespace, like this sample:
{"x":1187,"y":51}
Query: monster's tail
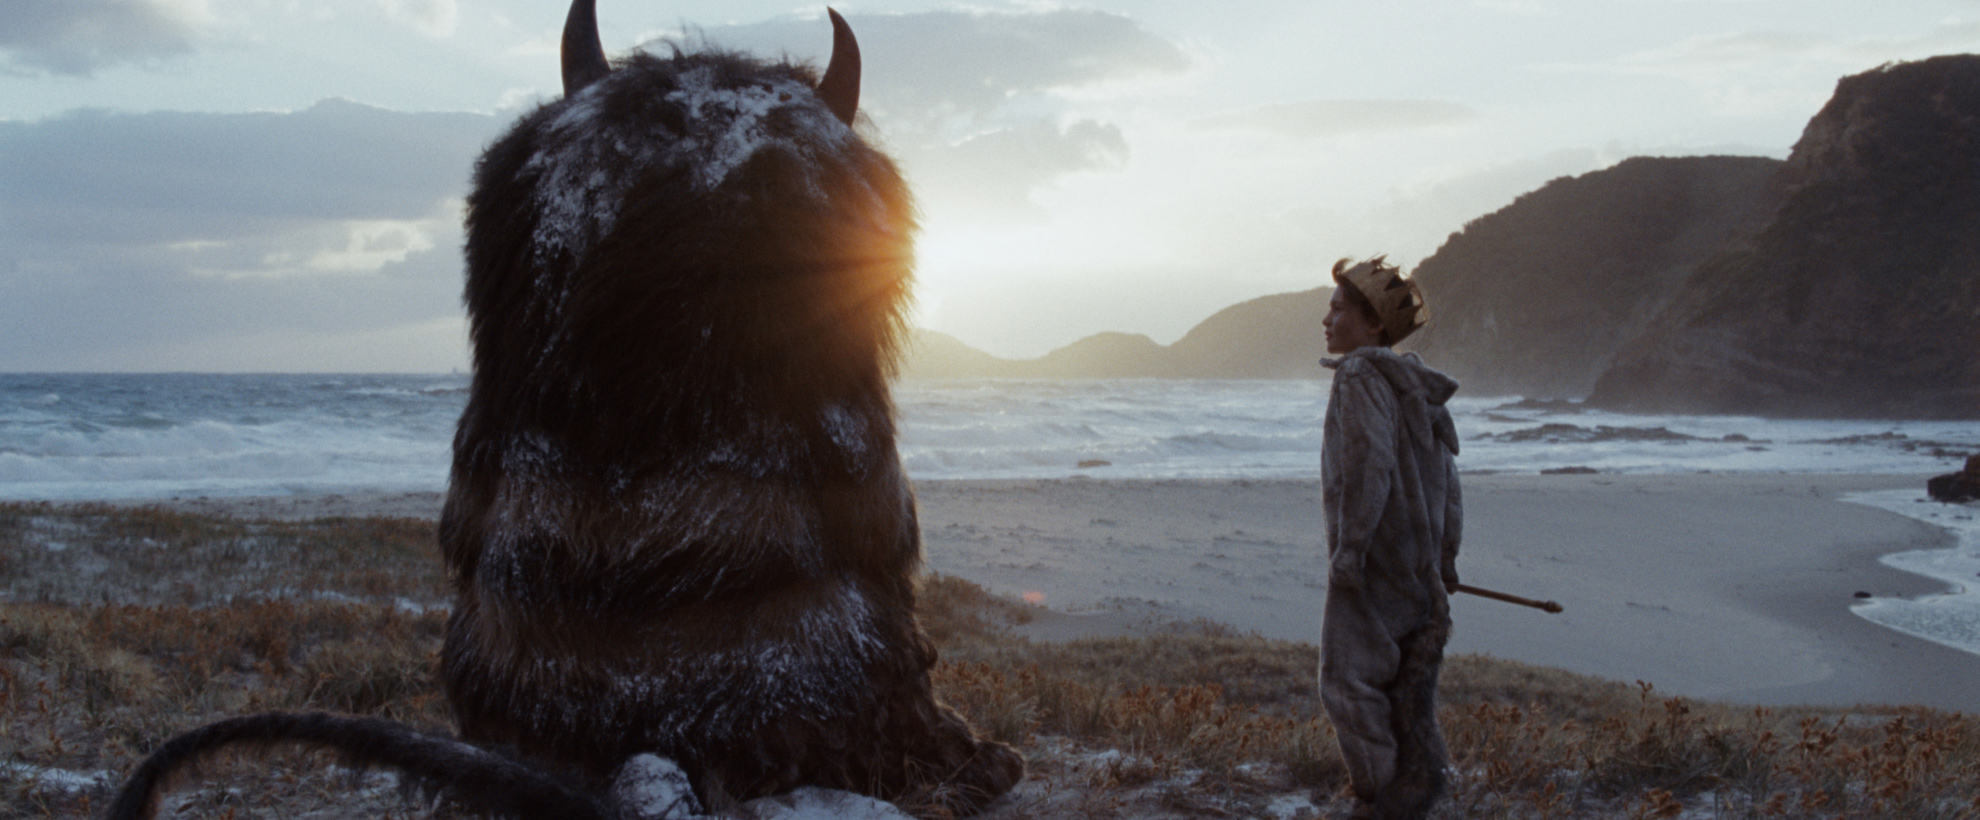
{"x":472,"y":778}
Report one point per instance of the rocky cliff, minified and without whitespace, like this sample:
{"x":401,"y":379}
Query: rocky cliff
{"x":1537,"y":298}
{"x":1861,"y":296}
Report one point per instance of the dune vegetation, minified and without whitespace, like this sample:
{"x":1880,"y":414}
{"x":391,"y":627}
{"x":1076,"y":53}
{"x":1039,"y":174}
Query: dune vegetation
{"x":122,"y":626}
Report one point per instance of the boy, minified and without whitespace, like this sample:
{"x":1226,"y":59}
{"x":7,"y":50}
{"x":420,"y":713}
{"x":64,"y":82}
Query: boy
{"x":1389,"y":487}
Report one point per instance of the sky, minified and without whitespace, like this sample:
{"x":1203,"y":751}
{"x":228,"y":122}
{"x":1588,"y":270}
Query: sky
{"x":276,"y":185}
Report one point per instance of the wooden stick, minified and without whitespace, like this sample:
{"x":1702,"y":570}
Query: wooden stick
{"x":1548,"y":606}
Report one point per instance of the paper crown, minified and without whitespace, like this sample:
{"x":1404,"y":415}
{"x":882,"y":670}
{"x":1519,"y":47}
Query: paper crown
{"x":1397,"y":300}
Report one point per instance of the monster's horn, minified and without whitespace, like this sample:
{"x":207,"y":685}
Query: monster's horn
{"x":584,"y":55}
{"x":840,"y":88}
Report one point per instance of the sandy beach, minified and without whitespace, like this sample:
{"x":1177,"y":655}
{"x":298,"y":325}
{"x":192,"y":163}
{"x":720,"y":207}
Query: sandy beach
{"x":1735,"y":586}
{"x":1726,"y":586}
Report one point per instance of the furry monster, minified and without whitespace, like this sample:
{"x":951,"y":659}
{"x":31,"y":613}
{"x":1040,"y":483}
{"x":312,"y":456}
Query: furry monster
{"x":677,"y":523}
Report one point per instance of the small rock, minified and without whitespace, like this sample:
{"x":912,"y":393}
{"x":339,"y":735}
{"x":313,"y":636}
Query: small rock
{"x":1957,"y":488}
{"x":1090,"y":463}
{"x":651,"y":787}
{"x":812,"y":803}
{"x":1862,"y":594}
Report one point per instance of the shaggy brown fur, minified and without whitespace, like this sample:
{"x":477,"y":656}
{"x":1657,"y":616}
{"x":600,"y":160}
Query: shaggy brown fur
{"x":677,"y":521}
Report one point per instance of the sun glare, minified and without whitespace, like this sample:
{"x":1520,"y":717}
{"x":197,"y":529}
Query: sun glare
{"x":952,"y":250}
{"x":949,"y":250}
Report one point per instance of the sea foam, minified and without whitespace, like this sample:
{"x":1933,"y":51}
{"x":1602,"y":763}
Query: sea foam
{"x":1951,"y":617}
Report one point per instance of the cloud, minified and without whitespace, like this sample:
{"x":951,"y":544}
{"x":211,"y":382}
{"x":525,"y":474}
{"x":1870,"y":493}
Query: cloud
{"x":350,"y":247}
{"x":973,"y":63}
{"x":1439,"y":207}
{"x":1730,"y":51}
{"x":1327,"y":118}
{"x":177,"y":239}
{"x":1520,"y":7}
{"x":148,"y":179}
{"x":434,"y":18}
{"x":975,"y":103}
{"x":989,"y":178}
{"x":1767,"y":72}
{"x":1953,"y":36}
{"x":430,"y":346}
{"x":78,"y":37}
{"x":121,"y":233}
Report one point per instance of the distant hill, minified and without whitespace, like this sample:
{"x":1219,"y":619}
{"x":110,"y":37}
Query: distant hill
{"x":932,"y":355}
{"x":1861,"y":296}
{"x":1537,"y":297}
{"x":1271,"y":337}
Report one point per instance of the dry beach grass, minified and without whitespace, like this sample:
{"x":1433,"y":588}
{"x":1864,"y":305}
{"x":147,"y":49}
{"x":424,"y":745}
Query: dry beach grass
{"x":122,"y":626}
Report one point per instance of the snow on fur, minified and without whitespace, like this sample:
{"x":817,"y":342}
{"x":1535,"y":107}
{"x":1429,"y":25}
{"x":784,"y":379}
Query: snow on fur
{"x":589,"y":160}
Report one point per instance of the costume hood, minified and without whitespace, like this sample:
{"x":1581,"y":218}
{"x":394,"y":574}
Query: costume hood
{"x":1421,"y":390}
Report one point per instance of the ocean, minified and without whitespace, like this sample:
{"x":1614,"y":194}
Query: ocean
{"x":69,"y":437}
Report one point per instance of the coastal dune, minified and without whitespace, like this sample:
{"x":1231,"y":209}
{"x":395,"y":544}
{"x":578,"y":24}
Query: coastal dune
{"x":1727,"y":586}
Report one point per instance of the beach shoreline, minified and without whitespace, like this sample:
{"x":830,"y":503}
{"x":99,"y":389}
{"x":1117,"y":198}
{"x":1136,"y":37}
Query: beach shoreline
{"x":1731,"y":586}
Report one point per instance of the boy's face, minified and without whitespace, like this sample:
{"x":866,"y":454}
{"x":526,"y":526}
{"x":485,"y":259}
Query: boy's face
{"x":1348,"y":328}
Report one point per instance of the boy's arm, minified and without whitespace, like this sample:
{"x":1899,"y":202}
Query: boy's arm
{"x":1453,"y":524}
{"x":1367,"y":459}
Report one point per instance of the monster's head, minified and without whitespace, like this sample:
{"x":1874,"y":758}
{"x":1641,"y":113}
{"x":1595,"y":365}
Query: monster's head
{"x":702,"y":221}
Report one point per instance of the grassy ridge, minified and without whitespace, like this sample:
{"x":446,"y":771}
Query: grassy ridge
{"x":120,"y":627}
